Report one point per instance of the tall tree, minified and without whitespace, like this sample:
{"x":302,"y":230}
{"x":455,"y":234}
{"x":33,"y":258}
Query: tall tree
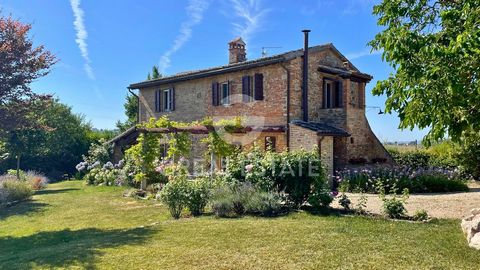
{"x":20,"y":64}
{"x":131,"y":104}
{"x":131,"y":111}
{"x":155,"y":74}
{"x":434,"y":48}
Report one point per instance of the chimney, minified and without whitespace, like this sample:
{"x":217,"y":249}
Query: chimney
{"x":237,"y":51}
{"x":305,"y":77}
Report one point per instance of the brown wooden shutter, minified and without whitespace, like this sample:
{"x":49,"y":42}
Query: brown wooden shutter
{"x":215,"y":94}
{"x":338,"y":94}
{"x":258,"y":86}
{"x":246,"y":88}
{"x":172,"y":98}
{"x":324,"y":96}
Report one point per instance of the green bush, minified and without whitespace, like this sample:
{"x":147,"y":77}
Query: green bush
{"x":12,"y":190}
{"x":174,"y":196}
{"x":222,"y":202}
{"x":420,"y":215}
{"x":198,"y":194}
{"x":244,"y":198}
{"x":264,"y":204}
{"x":292,"y":173}
{"x":411,"y":159}
{"x":393,"y":206}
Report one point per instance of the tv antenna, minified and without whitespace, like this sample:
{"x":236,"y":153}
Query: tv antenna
{"x":265,"y":52}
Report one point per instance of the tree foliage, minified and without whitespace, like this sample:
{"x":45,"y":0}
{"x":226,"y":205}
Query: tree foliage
{"x":131,"y":111}
{"x":434,"y":48}
{"x":20,"y":64}
{"x":54,"y":150}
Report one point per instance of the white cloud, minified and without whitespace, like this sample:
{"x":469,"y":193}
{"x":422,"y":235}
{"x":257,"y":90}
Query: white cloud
{"x":82,"y":36}
{"x":195,"y":10}
{"x":360,"y":54}
{"x":251,"y":15}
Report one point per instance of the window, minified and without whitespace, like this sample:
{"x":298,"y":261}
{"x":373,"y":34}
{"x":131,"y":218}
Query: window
{"x":332,"y":94}
{"x":252,"y":87}
{"x":225,"y":94}
{"x":167,"y":98}
{"x":163,"y":150}
{"x":270,"y":143}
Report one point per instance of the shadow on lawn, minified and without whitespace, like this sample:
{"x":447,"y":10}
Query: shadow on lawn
{"x":55,"y":191}
{"x":66,"y":248}
{"x":21,"y":208}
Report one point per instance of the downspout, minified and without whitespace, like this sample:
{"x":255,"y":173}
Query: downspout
{"x":287,"y":129}
{"x":305,"y":76}
{"x":138,"y":103}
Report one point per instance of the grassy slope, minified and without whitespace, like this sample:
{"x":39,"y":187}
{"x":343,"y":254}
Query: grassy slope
{"x":70,"y":226}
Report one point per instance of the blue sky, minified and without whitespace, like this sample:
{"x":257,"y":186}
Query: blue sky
{"x":103,"y":46}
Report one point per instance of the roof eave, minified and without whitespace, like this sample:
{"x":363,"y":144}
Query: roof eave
{"x":207,"y":73}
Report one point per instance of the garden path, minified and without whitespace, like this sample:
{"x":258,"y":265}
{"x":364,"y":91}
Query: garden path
{"x":453,"y":205}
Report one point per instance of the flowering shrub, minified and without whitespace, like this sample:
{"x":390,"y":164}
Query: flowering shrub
{"x":416,"y":180}
{"x":108,"y":174}
{"x":296,"y":174}
{"x":198,"y":194}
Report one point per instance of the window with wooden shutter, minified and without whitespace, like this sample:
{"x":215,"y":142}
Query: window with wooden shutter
{"x":338,"y":94}
{"x":215,"y":94}
{"x":246,"y":89}
{"x":225,"y":93}
{"x":173,"y":98}
{"x":258,"y":89}
{"x":270,"y":143}
{"x":332,"y":94}
{"x":167,"y":100}
{"x":158,"y":101}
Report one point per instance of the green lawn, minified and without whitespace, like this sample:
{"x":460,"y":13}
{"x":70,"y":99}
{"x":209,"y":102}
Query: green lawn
{"x":73,"y":226}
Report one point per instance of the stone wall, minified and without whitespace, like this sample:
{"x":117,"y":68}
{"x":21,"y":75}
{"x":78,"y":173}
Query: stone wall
{"x":193,"y":99}
{"x":302,"y":138}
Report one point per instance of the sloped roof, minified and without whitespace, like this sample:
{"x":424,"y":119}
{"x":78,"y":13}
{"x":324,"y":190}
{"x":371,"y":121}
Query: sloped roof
{"x":322,"y":129}
{"x":202,"y":73}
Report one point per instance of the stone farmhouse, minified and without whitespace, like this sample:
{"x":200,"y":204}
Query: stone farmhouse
{"x":298,"y":99}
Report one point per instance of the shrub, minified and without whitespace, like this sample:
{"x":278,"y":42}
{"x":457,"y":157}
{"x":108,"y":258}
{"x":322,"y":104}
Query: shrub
{"x":198,"y":193}
{"x":264,"y":204}
{"x":420,"y":215}
{"x":12,"y":189}
{"x":412,"y":159}
{"x":174,"y":196}
{"x":292,"y":173}
{"x":37,"y":181}
{"x":393,"y":206}
{"x":415,"y":180}
{"x":344,"y":201}
{"x":244,"y":198}
{"x":21,"y":173}
{"x":222,"y":202}
{"x":361,"y":204}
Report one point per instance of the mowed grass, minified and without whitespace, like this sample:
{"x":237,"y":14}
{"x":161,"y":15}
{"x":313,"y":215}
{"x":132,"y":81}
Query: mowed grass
{"x":70,"y":225}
